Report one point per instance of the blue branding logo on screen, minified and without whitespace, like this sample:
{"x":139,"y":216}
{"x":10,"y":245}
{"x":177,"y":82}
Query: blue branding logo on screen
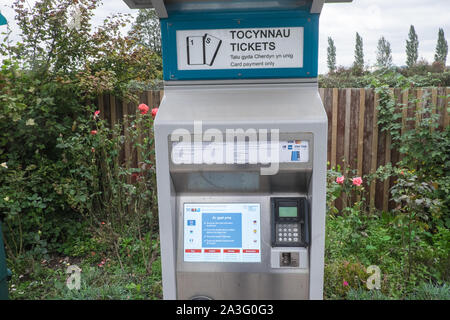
{"x":222,"y":232}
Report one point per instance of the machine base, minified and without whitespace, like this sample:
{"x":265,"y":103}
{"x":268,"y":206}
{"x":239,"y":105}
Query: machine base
{"x":243,"y":286}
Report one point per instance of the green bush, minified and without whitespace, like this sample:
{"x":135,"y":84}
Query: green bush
{"x":346,"y":78}
{"x":341,"y":276}
{"x":398,"y":243}
{"x":48,"y":82}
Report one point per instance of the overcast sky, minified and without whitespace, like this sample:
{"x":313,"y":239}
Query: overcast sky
{"x":370,"y":18}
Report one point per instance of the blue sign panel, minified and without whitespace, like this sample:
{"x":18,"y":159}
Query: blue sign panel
{"x":240,"y":45}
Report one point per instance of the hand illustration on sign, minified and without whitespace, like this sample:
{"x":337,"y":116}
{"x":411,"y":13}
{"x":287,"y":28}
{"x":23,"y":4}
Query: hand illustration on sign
{"x":202,"y":50}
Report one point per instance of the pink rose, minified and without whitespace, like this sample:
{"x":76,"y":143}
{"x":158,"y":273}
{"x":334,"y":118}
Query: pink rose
{"x":345,"y":283}
{"x":94,"y":132}
{"x":154,"y":112}
{"x":96,"y":113}
{"x":143,"y":108}
{"x":340,"y":179}
{"x":357,"y":181}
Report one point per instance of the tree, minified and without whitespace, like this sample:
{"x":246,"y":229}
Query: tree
{"x":412,"y":46}
{"x":331,"y":55}
{"x":384,"y":54}
{"x":441,"y":48}
{"x":147,"y":27}
{"x":359,"y":54}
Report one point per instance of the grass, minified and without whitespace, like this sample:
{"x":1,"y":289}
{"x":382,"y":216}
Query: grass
{"x":110,"y":281}
{"x":425,"y":291}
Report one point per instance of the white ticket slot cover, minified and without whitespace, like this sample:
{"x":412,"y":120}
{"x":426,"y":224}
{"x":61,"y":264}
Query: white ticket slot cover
{"x":222,"y":232}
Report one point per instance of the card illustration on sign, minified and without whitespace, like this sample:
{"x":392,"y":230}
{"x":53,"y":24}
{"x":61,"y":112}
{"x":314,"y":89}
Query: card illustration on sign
{"x":222,"y":232}
{"x":253,"y":48}
{"x":202,"y":50}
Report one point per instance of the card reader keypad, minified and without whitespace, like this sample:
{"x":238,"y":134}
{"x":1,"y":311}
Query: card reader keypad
{"x":288,"y":233}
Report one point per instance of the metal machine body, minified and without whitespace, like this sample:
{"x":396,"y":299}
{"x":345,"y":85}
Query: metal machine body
{"x":223,"y":107}
{"x":241,"y":148}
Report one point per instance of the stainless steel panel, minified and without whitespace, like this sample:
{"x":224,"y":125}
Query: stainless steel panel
{"x":237,"y":286}
{"x":215,"y":182}
{"x":291,"y":108}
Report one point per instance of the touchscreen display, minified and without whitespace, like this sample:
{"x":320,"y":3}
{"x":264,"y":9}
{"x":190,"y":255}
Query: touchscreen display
{"x":222,"y":232}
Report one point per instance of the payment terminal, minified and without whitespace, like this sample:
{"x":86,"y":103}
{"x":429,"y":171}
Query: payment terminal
{"x":241,"y":149}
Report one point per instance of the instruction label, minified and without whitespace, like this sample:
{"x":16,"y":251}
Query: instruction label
{"x":222,"y":232}
{"x":253,"y":48}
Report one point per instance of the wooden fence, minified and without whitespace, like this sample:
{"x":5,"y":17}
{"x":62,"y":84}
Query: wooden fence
{"x":354,"y":139}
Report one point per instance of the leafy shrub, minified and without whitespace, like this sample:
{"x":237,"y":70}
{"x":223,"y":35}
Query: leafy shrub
{"x":341,"y":276}
{"x":346,"y":78}
{"x":48,"y":82}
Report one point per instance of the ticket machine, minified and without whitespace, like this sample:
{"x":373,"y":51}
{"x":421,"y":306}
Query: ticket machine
{"x":241,"y":146}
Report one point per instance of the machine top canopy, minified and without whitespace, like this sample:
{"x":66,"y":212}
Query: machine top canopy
{"x":165,"y":7}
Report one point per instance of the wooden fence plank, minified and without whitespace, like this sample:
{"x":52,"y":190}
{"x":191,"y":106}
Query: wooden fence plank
{"x":373,"y":161}
{"x":322,"y":94}
{"x":362,"y":107}
{"x":347,"y":126}
{"x":354,"y":116}
{"x":441,"y":106}
{"x":127,"y":147}
{"x":161,"y":96}
{"x":340,"y":132}
{"x":348,"y":101}
{"x":112,"y":112}
{"x":387,"y":159}
{"x":419,"y":106}
{"x":334,"y":127}
{"x":405,"y":102}
{"x":433,"y":103}
{"x":446,"y":106}
{"x":327,"y":105}
{"x":101,"y":107}
{"x":368,"y":134}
